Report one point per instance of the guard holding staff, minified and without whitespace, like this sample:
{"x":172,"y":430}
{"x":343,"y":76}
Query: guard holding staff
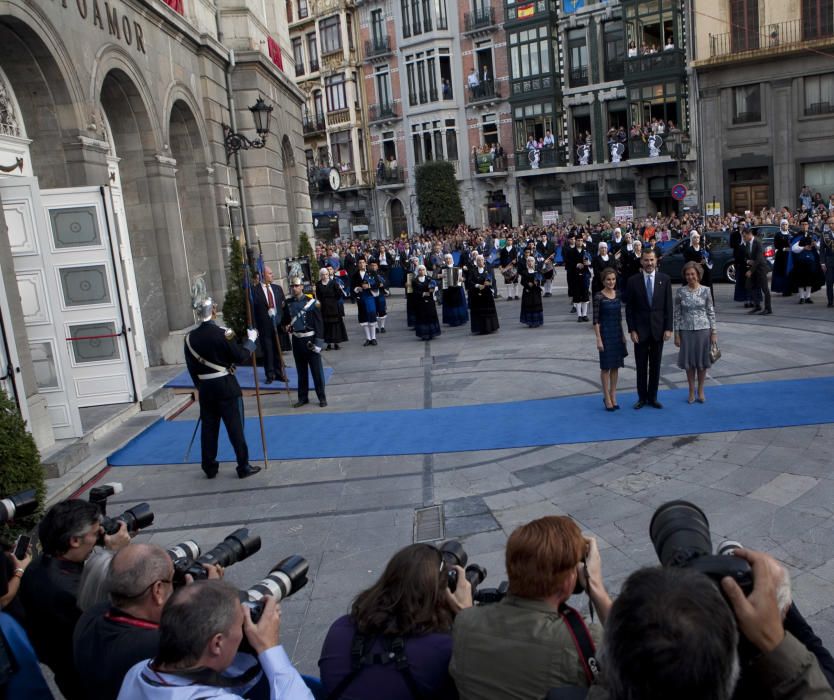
{"x":211,"y":355}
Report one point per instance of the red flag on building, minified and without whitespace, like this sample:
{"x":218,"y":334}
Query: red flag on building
{"x":175,"y":5}
{"x":274,"y":51}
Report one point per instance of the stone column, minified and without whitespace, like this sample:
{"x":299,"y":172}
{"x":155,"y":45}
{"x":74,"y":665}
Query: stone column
{"x":86,"y":161}
{"x":172,"y":254}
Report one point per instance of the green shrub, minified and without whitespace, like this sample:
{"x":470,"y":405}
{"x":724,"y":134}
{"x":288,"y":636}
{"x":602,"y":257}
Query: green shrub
{"x":438,"y":196}
{"x":20,"y":466}
{"x":234,"y":305}
{"x":306,"y":249}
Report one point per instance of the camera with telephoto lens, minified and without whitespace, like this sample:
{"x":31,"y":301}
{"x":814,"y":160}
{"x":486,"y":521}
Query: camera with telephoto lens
{"x":236,"y":547}
{"x":18,"y":505}
{"x":287,"y":577}
{"x":679,"y":531}
{"x":136,"y":518}
{"x":454,"y":555}
{"x":183,"y":555}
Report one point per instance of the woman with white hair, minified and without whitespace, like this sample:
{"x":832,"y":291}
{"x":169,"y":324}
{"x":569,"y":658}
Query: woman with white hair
{"x":453,"y":298}
{"x":426,"y":325}
{"x":698,"y":253}
{"x":483,"y":317}
{"x":331,"y":297}
{"x":532,"y":312}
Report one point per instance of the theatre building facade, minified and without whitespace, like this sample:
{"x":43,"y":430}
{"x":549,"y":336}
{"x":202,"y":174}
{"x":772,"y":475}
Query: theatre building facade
{"x":116,"y":189}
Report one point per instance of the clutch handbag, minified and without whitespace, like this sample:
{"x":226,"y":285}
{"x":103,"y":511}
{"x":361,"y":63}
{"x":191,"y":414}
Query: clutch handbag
{"x":714,"y":352}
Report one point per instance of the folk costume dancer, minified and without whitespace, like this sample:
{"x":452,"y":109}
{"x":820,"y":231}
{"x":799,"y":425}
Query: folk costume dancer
{"x":508,"y":260}
{"x":547,"y":249}
{"x":582,"y":285}
{"x":365,"y":301}
{"x":302,"y":318}
{"x":807,"y":271}
{"x":571,"y":256}
{"x":210,"y":356}
{"x":532,"y":312}
{"x":331,"y":296}
{"x":454,"y":300}
{"x":482,"y":315}
{"x":379,"y":293}
{"x":426,"y":326}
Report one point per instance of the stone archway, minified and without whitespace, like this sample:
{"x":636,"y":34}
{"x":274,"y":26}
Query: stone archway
{"x":149,"y":190}
{"x":47,"y":103}
{"x":194,"y":191}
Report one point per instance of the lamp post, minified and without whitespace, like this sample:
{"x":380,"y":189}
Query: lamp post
{"x":679,"y":145}
{"x":235,"y":141}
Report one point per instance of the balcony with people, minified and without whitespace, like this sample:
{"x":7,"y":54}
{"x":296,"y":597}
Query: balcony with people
{"x":490,"y":160}
{"x":389,"y":175}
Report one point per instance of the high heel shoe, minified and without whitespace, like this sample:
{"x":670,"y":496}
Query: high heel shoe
{"x":607,"y":407}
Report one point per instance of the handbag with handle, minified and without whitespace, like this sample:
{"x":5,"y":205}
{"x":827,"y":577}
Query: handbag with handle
{"x":714,"y":352}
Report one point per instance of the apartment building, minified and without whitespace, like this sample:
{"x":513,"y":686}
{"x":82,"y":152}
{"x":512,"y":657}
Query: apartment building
{"x":327,"y":61}
{"x":435,"y":80}
{"x":600,"y":107}
{"x":765,"y":82}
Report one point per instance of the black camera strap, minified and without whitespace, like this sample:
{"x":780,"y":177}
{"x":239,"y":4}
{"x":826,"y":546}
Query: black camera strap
{"x":582,"y":640}
{"x":203,"y":676}
{"x":362,"y":655}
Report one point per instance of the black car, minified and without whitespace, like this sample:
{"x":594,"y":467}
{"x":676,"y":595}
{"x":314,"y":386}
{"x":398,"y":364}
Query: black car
{"x":723,"y":265}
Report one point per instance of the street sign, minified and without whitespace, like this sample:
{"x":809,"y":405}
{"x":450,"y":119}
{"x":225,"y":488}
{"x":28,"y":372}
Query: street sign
{"x":713,"y":208}
{"x":679,"y":192}
{"x":550,"y":217}
{"x":624,"y":212}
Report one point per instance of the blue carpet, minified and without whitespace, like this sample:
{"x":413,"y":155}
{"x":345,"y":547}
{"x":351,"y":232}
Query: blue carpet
{"x":321,"y":434}
{"x":246,"y":379}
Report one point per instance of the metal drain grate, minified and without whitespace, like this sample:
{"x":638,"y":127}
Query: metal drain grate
{"x":428,"y":524}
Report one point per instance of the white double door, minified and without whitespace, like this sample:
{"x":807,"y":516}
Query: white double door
{"x":70,"y":279}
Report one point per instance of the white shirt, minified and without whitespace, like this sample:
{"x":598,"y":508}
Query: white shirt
{"x":285,"y":683}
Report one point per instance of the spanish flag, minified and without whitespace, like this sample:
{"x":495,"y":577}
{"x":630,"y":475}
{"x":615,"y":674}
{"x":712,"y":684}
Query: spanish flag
{"x":526,"y":10}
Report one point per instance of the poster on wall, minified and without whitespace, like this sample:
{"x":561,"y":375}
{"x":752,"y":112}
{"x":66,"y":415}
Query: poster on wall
{"x":550,"y":218}
{"x":625,"y":212}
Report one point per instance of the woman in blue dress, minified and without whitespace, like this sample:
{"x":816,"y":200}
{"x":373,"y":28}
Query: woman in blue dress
{"x":608,"y":327}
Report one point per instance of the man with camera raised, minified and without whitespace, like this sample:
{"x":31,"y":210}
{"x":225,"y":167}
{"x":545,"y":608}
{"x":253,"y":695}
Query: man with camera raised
{"x":112,"y":637}
{"x":532,"y":641}
{"x":68,"y":533}
{"x":201,"y":630}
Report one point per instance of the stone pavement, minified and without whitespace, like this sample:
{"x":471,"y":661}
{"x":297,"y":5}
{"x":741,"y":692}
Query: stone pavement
{"x":769,"y":489}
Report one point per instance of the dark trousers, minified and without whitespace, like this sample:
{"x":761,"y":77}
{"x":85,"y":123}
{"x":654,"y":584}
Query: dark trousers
{"x":230,"y":411}
{"x":304,"y":359}
{"x":647,"y":356}
{"x":758,"y":291}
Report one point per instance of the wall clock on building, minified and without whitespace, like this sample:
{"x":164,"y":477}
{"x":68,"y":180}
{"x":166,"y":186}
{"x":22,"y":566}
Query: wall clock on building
{"x":334,"y":179}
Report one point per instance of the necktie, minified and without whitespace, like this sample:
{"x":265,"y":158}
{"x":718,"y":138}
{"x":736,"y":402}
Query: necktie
{"x":750,"y":249}
{"x":649,"y":288}
{"x":270,"y":297}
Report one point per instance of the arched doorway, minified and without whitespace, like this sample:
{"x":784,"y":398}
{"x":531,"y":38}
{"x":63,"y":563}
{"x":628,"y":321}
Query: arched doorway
{"x":149,"y":190}
{"x":194,"y":190}
{"x":399,"y":222}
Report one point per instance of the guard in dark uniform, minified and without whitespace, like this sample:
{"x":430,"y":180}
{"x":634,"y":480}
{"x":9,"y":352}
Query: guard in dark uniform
{"x":211,"y":356}
{"x":303,"y":320}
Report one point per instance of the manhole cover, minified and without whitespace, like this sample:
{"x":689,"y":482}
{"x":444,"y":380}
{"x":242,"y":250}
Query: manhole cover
{"x":428,"y":524}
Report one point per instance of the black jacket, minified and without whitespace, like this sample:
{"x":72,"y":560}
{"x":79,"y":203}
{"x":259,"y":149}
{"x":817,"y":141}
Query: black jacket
{"x":650,"y":322}
{"x":106,"y":644}
{"x":209,"y":341}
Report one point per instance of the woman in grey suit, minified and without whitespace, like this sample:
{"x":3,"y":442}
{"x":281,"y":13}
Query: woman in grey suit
{"x":693,"y":322}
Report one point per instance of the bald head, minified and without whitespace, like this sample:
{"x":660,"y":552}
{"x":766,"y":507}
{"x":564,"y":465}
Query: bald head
{"x":134,"y":570}
{"x":268,"y":275}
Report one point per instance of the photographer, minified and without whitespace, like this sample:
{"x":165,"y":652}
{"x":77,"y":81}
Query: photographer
{"x":531,"y":641}
{"x":112,"y":637}
{"x":11,"y":573}
{"x":49,"y":587}
{"x":396,"y":642}
{"x":672,"y":634}
{"x":201,"y":629}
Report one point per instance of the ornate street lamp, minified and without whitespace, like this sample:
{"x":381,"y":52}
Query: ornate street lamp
{"x":235,"y":142}
{"x":679,"y":145}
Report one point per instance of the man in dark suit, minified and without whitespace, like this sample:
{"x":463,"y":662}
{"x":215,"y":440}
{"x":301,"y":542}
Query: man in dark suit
{"x":756,"y":273}
{"x":649,"y":320}
{"x":268,"y":309}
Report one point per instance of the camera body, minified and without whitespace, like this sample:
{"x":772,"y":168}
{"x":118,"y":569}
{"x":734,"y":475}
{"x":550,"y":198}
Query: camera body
{"x":235,"y":547}
{"x":679,"y":531}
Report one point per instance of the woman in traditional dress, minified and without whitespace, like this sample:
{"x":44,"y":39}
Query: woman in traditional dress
{"x":453,"y":299}
{"x":426,"y":325}
{"x":582,"y":287}
{"x":697,"y":253}
{"x":532,"y":312}
{"x":330,"y":295}
{"x":483,"y":317}
{"x":602,"y":260}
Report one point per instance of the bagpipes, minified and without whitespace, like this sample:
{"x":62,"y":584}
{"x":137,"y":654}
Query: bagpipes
{"x":510,"y":273}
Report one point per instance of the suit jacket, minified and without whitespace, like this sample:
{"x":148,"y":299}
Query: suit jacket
{"x":758,"y":265}
{"x":263,"y":322}
{"x":650,"y":322}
